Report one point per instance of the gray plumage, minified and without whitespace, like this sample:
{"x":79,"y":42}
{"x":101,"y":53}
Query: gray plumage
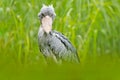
{"x":52,"y":43}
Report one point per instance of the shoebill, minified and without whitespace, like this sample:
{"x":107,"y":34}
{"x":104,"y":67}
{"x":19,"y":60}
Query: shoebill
{"x":53,"y":44}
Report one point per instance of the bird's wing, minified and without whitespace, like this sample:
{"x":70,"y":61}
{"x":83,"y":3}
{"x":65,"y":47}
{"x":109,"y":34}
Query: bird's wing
{"x":65,"y":41}
{"x":65,"y":45}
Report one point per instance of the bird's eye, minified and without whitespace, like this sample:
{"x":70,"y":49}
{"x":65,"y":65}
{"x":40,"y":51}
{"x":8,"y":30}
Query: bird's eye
{"x":51,"y":15}
{"x":43,"y":15}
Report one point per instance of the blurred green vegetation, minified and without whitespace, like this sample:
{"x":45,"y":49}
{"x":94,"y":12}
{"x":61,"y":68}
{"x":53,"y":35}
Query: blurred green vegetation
{"x":93,"y":26}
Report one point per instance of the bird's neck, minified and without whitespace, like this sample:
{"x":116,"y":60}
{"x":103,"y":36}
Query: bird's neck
{"x":47,"y":24}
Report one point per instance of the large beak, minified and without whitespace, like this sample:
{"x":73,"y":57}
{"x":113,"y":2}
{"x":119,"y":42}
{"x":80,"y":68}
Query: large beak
{"x":47,"y":24}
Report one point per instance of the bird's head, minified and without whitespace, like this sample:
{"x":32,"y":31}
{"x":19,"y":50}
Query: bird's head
{"x":46,"y":16}
{"x":46,"y":11}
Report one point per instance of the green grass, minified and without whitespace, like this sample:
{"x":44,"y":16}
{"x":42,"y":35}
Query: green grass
{"x":93,"y":26}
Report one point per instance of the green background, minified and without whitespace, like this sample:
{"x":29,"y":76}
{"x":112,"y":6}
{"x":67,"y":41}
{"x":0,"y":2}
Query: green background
{"x":93,"y":27}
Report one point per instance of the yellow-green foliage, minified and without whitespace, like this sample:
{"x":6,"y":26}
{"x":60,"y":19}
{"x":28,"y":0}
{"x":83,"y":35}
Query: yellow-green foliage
{"x":93,"y":26}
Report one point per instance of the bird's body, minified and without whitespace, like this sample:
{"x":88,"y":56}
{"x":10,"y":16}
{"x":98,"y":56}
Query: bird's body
{"x":54,"y":44}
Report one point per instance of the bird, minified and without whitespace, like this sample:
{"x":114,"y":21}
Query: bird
{"x":53,"y":44}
